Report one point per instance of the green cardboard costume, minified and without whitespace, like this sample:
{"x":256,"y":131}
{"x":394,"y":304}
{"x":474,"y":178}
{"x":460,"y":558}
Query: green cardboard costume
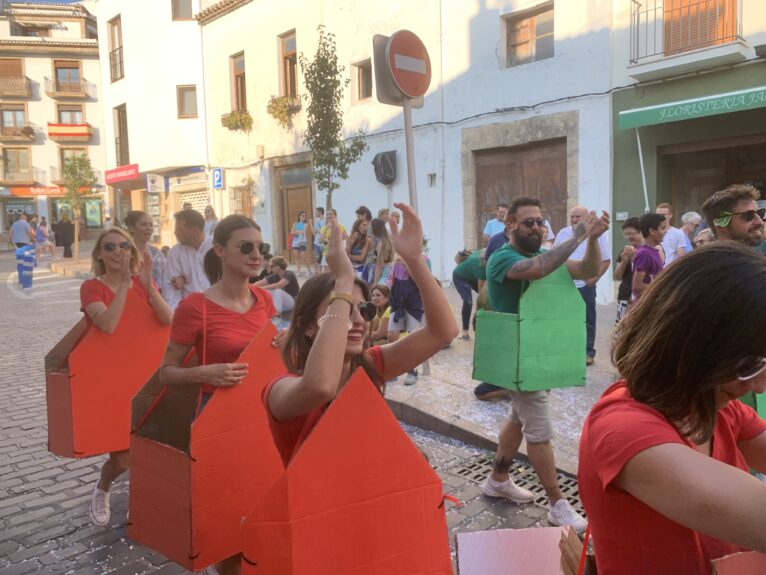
{"x":541,"y":346}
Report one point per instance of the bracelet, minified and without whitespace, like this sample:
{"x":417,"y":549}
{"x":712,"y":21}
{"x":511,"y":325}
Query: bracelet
{"x":347,"y":297}
{"x":327,"y":316}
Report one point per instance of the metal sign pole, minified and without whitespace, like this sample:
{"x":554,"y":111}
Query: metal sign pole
{"x":410,"y":153}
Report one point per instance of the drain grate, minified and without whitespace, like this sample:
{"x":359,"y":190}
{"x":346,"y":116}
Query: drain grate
{"x":524,"y":476}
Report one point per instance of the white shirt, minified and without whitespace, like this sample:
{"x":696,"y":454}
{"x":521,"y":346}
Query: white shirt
{"x":567,"y":233}
{"x":188,"y":262}
{"x":674,"y":239}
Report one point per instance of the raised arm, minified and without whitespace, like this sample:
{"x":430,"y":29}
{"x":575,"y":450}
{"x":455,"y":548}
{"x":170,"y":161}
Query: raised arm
{"x":441,"y":327}
{"x":591,"y":265}
{"x":159,"y":305}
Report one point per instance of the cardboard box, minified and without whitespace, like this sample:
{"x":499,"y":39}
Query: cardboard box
{"x":541,"y":347}
{"x":192,"y":480}
{"x":358,"y":498}
{"x":538,"y":551}
{"x":756,"y":401}
{"x":91,"y":376}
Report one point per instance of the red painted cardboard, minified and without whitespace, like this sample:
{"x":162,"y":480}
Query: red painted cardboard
{"x":747,"y":563}
{"x":91,"y":377}
{"x":358,"y":498}
{"x":193,"y":480}
{"x":535,"y":551}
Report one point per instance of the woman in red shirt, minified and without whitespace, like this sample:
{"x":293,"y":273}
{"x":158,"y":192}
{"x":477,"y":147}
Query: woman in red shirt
{"x":329,"y":337}
{"x":118,"y":268}
{"x":665,"y":453}
{"x":222,"y":321}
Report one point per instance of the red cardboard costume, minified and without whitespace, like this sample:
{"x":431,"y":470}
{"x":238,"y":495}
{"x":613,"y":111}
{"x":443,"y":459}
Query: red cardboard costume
{"x":357,"y":498}
{"x":91,"y":377}
{"x":193,"y":480}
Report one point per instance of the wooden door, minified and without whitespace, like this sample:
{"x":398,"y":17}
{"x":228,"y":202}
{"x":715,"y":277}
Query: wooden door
{"x":695,"y":177}
{"x":536,"y":170}
{"x":296,"y":199}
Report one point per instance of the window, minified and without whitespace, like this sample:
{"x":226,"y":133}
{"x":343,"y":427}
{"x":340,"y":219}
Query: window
{"x":11,"y":68}
{"x":288,"y":49}
{"x":122,"y":157}
{"x":16,"y":163}
{"x":187,"y":101}
{"x":70,"y":114}
{"x":116,"y":70}
{"x":241,"y":200}
{"x":363,"y":72}
{"x":12,"y":119}
{"x":67,"y":154}
{"x":182,"y":10}
{"x":239,"y":93}
{"x":530,"y":37}
{"x":67,"y":76}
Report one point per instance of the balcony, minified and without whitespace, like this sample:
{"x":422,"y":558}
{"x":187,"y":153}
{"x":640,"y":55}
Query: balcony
{"x":17,"y":134}
{"x":69,"y":132}
{"x":57,"y":177}
{"x":78,"y":89}
{"x":15,"y":87}
{"x":15,"y":176}
{"x":671,"y":37}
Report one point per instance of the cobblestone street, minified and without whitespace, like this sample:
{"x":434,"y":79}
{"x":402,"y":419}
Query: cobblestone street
{"x":44,"y":524}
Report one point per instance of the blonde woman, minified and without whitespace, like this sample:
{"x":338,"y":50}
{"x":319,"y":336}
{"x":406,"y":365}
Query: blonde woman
{"x":118,"y":268}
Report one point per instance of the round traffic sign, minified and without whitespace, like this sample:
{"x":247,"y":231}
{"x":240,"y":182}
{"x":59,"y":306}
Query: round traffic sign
{"x":409,"y":63}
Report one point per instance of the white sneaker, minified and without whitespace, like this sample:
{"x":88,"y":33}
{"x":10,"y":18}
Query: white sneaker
{"x":99,"y":506}
{"x":411,"y":379}
{"x":562,"y":514}
{"x":507,"y":489}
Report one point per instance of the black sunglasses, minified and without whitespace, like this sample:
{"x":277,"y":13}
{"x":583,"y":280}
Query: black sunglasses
{"x":246,"y":248}
{"x":532,"y":222}
{"x":367,"y":310}
{"x":111,"y":246}
{"x":749,"y":215}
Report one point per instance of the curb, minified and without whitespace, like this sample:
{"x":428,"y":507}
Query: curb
{"x":68,"y":271}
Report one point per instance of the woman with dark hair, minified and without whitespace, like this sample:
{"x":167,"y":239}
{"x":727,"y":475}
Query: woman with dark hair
{"x":379,"y":295}
{"x":141,"y":227}
{"x":329,"y":338}
{"x":358,"y":249}
{"x":665,"y":452}
{"x":219,"y":322}
{"x":383,"y":252}
{"x":298,"y":242}
{"x":119,"y":268}
{"x":65,"y":233}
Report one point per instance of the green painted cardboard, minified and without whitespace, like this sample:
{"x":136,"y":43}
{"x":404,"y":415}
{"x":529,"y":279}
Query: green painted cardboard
{"x":541,"y":347}
{"x":756,"y":401}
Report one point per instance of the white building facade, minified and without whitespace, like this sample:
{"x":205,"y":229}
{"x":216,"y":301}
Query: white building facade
{"x":518,"y":105}
{"x":50,"y":108}
{"x":154,"y":122}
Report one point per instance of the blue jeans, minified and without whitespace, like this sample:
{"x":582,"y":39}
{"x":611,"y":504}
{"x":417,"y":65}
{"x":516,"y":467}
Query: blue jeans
{"x":464,"y":287}
{"x":589,"y":297}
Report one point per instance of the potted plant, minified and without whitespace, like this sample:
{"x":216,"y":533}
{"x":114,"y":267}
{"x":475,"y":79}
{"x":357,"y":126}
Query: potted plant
{"x":237,"y":120}
{"x":282,"y":108}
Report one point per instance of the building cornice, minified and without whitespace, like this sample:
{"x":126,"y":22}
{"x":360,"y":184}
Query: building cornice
{"x":44,"y":45}
{"x":219,"y":9}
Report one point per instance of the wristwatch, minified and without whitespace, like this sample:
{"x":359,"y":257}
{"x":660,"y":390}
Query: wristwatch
{"x":344,"y":296}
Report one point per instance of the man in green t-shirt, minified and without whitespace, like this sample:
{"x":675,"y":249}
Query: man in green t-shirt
{"x":509,"y":272}
{"x":468,"y":277}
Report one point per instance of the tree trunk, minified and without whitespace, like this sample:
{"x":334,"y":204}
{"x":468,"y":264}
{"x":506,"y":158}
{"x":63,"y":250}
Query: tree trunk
{"x":76,"y":213}
{"x":328,"y":203}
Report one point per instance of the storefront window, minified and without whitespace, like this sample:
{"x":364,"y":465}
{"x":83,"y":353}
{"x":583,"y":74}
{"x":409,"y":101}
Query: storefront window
{"x":93,"y":214}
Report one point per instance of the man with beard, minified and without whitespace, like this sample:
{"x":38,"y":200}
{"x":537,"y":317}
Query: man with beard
{"x":733,"y":215}
{"x":509,"y":271}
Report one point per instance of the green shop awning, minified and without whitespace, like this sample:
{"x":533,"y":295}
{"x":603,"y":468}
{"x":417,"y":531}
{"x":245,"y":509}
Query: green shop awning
{"x":695,"y":108}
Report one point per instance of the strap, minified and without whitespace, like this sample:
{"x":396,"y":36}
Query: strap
{"x":204,"y":330}
{"x":584,"y":553}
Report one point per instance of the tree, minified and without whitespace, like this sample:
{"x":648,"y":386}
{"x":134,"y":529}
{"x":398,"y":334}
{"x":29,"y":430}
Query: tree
{"x":78,"y":178}
{"x":332,"y":155}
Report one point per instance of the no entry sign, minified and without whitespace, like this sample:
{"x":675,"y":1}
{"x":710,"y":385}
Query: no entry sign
{"x":409,"y":63}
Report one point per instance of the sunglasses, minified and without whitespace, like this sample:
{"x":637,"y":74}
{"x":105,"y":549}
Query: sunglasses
{"x":751,"y":371}
{"x":367,"y":310}
{"x":532,"y":222}
{"x":749,"y":215}
{"x":246,"y":248}
{"x":111,"y":246}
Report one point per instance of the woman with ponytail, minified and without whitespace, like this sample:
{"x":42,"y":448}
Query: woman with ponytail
{"x":330,"y":332}
{"x":225,"y":318}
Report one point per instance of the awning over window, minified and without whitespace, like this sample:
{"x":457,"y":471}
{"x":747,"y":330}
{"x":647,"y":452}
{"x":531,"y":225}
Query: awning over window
{"x":695,"y":108}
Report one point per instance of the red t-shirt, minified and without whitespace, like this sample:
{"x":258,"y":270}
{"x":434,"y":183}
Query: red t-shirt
{"x":94,"y":290}
{"x":227,"y":332}
{"x":291,"y":433}
{"x":630,"y":537}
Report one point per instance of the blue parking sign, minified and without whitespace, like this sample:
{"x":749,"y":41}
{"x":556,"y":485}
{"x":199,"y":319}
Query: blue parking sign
{"x":217,"y":178}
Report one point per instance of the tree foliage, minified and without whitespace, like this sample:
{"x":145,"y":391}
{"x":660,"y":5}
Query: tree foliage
{"x":332,"y":154}
{"x":78,"y":177}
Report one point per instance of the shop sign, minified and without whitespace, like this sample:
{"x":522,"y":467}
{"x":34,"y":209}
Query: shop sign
{"x":24,"y":191}
{"x":695,"y":108}
{"x":19,"y":207}
{"x":155,"y":184}
{"x":121,"y":174}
